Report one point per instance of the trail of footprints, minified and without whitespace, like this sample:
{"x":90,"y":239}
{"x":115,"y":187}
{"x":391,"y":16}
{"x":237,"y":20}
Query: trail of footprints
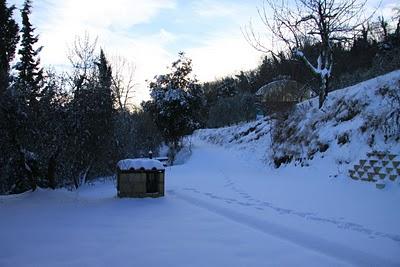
{"x":248,"y":201}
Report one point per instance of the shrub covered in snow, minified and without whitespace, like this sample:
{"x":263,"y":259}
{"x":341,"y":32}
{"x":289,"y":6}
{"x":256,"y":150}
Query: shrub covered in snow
{"x":176,"y":104}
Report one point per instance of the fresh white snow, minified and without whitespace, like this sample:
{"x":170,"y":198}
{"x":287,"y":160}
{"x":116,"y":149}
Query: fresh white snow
{"x":219,"y":209}
{"x":140,"y":163}
{"x":225,"y":206}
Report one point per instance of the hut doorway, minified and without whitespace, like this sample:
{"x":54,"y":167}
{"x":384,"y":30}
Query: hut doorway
{"x":152,"y":182}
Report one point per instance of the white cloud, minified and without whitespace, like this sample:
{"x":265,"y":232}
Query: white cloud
{"x":209,"y":8}
{"x":223,"y":54}
{"x":118,"y":14}
{"x":220,"y":50}
{"x":59,"y":22}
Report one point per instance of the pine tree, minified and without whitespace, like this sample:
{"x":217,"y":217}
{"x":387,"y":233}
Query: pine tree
{"x":104,"y":109}
{"x":30,"y":75}
{"x":8,"y":42}
{"x":27,"y":131}
{"x":92,"y":112}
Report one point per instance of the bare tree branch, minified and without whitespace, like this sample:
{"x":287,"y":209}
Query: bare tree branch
{"x":319,"y":23}
{"x":123,"y":83}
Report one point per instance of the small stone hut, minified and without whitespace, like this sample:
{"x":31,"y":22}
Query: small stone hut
{"x":140,"y":177}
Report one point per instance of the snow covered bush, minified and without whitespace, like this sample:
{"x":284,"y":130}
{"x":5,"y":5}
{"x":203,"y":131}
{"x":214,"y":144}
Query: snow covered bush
{"x":177,"y":104}
{"x":391,"y":120}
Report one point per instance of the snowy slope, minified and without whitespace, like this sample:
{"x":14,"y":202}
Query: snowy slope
{"x":353,"y":122}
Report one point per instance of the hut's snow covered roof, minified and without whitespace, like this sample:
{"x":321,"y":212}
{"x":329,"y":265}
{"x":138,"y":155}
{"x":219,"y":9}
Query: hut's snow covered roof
{"x":139,"y":164}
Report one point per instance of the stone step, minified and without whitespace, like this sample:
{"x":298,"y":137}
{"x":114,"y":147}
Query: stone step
{"x":377,"y":169}
{"x":389,"y":170}
{"x":373,"y":162}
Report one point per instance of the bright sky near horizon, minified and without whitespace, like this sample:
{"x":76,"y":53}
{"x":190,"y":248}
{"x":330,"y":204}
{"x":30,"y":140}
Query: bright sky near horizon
{"x":150,"y":33}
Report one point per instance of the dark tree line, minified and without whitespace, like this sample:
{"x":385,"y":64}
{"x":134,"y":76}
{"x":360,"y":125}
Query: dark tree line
{"x":62,"y":129}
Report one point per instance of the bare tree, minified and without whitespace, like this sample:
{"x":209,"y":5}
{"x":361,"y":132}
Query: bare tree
{"x":320,"y":23}
{"x":123,"y":83}
{"x":82,"y":57}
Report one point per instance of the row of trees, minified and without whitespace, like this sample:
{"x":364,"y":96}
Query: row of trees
{"x":60,"y":129}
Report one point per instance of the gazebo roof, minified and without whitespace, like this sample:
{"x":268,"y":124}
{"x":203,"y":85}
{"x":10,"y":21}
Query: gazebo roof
{"x":275,"y":85}
{"x":140,"y":164}
{"x":280,"y":90}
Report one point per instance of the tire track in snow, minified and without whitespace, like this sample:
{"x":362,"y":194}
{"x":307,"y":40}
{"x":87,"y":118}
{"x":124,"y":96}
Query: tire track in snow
{"x":339,"y":223}
{"x":326,"y":247}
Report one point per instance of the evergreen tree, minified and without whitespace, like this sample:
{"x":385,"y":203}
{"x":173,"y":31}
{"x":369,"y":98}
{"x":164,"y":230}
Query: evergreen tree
{"x":30,"y":75}
{"x":80,"y":110}
{"x":105,"y":113}
{"x":177,"y":103}
{"x":8,"y":42}
{"x":92,"y":116}
{"x":25,"y":129}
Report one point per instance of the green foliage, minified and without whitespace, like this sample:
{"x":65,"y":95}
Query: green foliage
{"x":30,"y":75}
{"x":176,"y":104}
{"x":8,"y":43}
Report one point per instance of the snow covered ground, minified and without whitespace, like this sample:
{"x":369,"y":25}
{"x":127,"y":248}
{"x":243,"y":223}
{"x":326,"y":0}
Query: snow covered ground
{"x":226,"y":206}
{"x":219,"y":209}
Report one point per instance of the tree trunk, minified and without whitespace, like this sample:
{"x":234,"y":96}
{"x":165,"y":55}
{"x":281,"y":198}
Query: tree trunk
{"x":173,"y":150}
{"x":323,"y":92}
{"x":51,"y":169}
{"x":171,"y":153}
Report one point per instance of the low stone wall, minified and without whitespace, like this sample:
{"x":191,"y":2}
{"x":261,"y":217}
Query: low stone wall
{"x":378,"y":167}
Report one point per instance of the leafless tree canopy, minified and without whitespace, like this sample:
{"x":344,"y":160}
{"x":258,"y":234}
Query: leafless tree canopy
{"x":82,"y":56}
{"x":315,"y":22}
{"x":123,"y":83}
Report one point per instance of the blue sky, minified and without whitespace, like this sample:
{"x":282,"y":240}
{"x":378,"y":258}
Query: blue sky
{"x":150,"y":33}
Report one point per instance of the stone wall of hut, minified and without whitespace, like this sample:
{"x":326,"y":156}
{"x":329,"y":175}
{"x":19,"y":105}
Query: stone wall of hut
{"x":134,"y":184}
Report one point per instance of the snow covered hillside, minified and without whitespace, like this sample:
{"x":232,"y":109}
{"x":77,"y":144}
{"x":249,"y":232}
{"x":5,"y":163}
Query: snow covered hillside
{"x":353,"y":122}
{"x":225,"y":206}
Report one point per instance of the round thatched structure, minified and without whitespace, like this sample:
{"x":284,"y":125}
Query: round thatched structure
{"x":280,"y":95}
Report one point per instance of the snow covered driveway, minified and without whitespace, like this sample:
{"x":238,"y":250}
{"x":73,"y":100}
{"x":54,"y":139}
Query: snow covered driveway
{"x":220,"y":209}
